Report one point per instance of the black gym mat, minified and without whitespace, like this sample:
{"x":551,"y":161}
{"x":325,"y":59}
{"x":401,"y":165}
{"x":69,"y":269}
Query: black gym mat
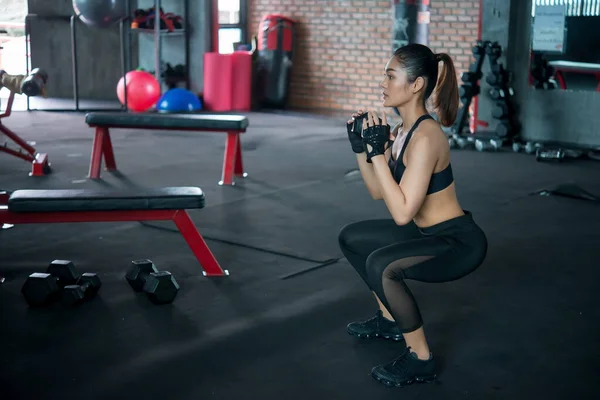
{"x":523,"y":325}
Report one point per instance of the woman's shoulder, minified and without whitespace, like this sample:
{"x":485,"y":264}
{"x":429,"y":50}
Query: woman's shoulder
{"x":430,"y":128}
{"x":429,"y":134}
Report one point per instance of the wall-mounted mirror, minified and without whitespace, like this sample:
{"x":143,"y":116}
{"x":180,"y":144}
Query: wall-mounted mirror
{"x":565,"y":43}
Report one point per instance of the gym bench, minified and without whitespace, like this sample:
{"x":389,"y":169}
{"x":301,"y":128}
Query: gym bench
{"x":82,"y":205}
{"x":233,"y":125}
{"x":39,"y":161}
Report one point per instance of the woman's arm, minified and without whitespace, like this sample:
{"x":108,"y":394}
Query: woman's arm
{"x":369,"y":177}
{"x":405,"y":200}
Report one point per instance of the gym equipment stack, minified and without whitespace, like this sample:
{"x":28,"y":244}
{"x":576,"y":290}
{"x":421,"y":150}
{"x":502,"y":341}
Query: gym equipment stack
{"x":501,"y":92}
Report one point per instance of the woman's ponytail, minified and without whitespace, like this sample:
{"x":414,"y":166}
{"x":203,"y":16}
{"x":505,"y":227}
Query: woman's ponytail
{"x":446,"y":92}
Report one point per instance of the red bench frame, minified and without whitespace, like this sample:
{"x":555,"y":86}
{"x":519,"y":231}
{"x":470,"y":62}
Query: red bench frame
{"x":181,"y":218}
{"x":39,"y":161}
{"x":560,"y":79}
{"x":232,"y":159}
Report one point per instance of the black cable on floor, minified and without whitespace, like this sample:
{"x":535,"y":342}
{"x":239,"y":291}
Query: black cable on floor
{"x":263,"y":250}
{"x":569,"y":190}
{"x":310,"y":269}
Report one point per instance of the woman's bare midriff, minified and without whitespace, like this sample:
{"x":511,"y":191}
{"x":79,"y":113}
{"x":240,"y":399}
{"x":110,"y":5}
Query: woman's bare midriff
{"x":443,"y":205}
{"x":439,"y":207}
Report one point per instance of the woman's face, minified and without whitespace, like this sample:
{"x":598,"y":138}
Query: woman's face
{"x":396,"y":88}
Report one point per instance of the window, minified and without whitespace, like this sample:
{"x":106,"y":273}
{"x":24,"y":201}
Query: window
{"x":575,"y":8}
{"x":12,"y":38}
{"x":232,"y":24}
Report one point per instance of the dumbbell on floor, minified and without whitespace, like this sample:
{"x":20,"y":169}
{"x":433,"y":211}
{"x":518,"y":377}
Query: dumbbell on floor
{"x":86,"y":288}
{"x":160,"y":286}
{"x":488,"y":145}
{"x":528,"y":147}
{"x":556,"y":153}
{"x":41,"y":289}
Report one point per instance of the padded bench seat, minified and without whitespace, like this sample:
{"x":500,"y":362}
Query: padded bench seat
{"x":168,"y":121}
{"x":169,"y":198}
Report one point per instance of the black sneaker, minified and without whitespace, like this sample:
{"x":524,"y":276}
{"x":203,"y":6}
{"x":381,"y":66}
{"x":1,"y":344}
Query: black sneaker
{"x":376,"y":327}
{"x":405,"y":370}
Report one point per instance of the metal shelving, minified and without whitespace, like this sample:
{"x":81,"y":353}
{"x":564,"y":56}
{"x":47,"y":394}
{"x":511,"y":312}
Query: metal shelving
{"x":124,"y":25}
{"x":160,"y":33}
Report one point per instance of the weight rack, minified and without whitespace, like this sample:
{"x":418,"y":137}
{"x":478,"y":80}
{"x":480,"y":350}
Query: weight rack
{"x":501,"y":92}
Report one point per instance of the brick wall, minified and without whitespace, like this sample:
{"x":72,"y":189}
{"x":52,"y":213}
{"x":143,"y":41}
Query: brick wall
{"x":453,"y":29}
{"x":342,"y":46}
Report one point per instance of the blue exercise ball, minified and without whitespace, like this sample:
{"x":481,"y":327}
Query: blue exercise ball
{"x":100,"y":13}
{"x":178,"y":100}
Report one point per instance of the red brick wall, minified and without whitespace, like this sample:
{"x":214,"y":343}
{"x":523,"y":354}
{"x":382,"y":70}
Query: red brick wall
{"x":342,"y":47}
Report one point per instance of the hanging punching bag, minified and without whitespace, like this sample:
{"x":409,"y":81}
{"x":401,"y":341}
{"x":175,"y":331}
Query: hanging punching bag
{"x":411,"y":22}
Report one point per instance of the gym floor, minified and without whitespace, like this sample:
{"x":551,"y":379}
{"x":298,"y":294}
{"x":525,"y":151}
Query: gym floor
{"x":524,"y":325}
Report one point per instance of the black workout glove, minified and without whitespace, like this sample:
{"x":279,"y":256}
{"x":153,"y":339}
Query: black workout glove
{"x":354,"y":137}
{"x":375,"y":139}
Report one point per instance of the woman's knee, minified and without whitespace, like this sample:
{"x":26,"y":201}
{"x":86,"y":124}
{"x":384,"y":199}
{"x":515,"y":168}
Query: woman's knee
{"x":375,"y":270}
{"x":348,"y":235}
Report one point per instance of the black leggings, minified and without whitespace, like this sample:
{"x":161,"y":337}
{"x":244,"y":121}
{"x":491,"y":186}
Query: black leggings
{"x":385,"y":254}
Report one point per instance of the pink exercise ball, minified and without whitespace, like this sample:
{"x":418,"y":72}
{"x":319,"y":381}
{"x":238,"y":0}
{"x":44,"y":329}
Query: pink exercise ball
{"x":143,"y":90}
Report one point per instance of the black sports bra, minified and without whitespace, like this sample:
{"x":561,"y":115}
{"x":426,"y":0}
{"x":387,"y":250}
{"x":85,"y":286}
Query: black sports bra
{"x":439,"y":180}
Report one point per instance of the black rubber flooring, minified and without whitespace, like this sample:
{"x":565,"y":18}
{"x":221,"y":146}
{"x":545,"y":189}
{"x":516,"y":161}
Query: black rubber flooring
{"x":525,"y":325}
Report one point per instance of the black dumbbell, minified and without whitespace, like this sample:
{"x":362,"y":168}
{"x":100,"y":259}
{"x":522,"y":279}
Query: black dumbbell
{"x":41,"y":289}
{"x":500,"y":110}
{"x":64,"y":271}
{"x":494,"y":50}
{"x":503,"y":129}
{"x":468,"y":90}
{"x":34,"y":84}
{"x":160,"y":286}
{"x":528,"y":147}
{"x":479,"y":48}
{"x":497,"y":94}
{"x":495,"y":79}
{"x":86,"y":288}
{"x":488,"y":145}
{"x":471,"y":77}
{"x":497,"y":69}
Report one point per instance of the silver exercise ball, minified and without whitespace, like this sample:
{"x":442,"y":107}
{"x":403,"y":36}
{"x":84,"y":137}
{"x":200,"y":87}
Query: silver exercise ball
{"x":99,"y":13}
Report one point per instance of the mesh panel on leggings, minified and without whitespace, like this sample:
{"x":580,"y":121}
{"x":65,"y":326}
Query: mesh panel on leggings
{"x":401,"y":302}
